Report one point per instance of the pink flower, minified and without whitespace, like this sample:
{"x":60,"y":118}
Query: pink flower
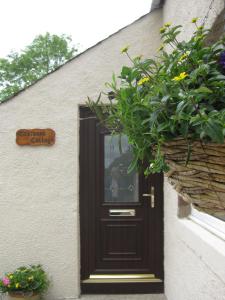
{"x":5,"y":281}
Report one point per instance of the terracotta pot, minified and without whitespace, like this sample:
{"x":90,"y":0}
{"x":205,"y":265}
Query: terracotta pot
{"x":17,"y":296}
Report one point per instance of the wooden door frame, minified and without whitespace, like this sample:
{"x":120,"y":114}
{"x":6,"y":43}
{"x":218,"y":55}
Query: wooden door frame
{"x":87,"y":233}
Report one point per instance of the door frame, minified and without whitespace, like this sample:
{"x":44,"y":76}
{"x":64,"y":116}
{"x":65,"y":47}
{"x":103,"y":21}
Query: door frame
{"x":86,"y":212}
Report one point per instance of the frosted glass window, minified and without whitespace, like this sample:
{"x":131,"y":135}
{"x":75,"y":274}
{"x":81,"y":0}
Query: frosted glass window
{"x":119,"y":186}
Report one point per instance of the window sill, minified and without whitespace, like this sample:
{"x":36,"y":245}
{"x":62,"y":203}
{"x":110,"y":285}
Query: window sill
{"x":200,"y":236}
{"x":207,"y":227}
{"x":207,"y":244}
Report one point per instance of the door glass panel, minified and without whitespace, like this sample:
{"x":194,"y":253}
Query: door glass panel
{"x":119,"y":186}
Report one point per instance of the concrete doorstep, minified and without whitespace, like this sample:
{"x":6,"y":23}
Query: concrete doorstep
{"x":125,"y":297}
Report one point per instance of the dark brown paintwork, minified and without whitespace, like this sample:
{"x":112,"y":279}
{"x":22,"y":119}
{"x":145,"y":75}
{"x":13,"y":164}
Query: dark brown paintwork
{"x":116,"y":245}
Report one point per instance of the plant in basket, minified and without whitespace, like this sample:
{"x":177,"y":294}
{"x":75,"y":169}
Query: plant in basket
{"x":172,"y":108}
{"x":25,"y":283}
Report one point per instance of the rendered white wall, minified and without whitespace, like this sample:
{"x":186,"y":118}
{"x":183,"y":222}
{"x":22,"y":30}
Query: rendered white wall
{"x":194,"y":258}
{"x":39,"y":186}
{"x":181,"y":13}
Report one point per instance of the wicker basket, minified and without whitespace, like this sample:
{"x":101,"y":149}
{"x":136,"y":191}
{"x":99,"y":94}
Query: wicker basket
{"x":202,"y":181}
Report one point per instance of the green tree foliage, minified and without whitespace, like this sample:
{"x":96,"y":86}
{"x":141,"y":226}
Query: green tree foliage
{"x":45,"y":54}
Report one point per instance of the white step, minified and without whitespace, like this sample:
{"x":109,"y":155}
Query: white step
{"x":125,"y":297}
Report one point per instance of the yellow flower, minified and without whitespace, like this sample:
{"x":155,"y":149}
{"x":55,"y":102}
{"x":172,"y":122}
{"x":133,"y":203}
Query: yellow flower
{"x":143,"y":80}
{"x":17,"y":285}
{"x":10,"y":276}
{"x":194,"y":20}
{"x":124,"y":49}
{"x":162,"y":29}
{"x":180,"y":77}
{"x":31,"y":278}
{"x":168,"y":24}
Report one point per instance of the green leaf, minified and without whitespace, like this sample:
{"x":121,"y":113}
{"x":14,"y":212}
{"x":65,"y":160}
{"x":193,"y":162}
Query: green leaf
{"x":162,"y":127}
{"x":188,"y":154}
{"x":204,"y":89}
{"x":125,"y":72}
{"x":215,"y":131}
{"x":219,"y":77}
{"x":133,"y":165}
{"x":165,"y":98}
{"x":181,"y":106}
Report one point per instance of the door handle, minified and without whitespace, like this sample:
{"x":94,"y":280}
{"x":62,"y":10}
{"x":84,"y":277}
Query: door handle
{"x":152,"y":196}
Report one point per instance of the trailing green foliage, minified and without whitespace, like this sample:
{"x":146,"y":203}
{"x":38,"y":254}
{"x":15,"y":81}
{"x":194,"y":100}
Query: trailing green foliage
{"x":45,"y":54}
{"x":180,"y":93}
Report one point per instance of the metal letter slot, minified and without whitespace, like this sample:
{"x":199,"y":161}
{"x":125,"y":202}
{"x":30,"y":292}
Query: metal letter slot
{"x":122,"y":212}
{"x":152,"y":196}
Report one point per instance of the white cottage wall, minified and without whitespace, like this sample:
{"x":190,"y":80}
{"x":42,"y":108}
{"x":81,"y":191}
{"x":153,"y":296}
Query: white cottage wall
{"x":194,"y":257}
{"x":39,"y":186}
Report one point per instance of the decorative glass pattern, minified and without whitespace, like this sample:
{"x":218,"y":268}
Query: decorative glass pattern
{"x":119,"y":186}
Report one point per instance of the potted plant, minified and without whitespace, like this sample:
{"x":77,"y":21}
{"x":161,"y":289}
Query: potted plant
{"x":25,"y":283}
{"x":172,"y":108}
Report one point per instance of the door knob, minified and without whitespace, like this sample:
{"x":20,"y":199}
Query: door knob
{"x":152,"y":196}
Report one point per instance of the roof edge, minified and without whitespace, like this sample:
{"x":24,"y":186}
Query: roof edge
{"x":152,"y":9}
{"x":157,"y":4}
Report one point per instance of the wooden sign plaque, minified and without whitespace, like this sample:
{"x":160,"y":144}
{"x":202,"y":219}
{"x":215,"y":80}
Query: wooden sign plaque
{"x":35,"y":137}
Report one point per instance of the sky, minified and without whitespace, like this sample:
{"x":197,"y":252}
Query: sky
{"x":86,"y":21}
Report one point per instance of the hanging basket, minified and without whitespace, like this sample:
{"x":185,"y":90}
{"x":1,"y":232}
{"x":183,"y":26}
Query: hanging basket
{"x":201,"y":180}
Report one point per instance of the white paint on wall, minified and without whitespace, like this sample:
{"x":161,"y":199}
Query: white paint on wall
{"x":194,"y":258}
{"x":182,"y":12}
{"x":39,"y":186}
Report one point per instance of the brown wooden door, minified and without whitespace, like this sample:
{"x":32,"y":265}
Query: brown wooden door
{"x":121,"y":216}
